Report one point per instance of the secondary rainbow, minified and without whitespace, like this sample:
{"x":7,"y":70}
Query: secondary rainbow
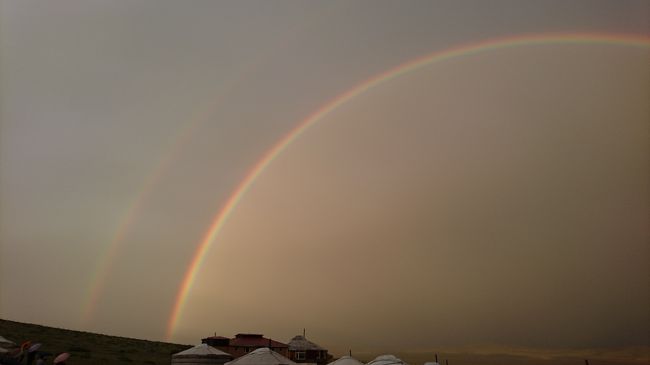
{"x":100,"y":275}
{"x":102,"y":269}
{"x":632,"y":40}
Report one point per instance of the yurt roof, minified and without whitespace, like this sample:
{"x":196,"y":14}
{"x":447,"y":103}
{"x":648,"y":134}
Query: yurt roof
{"x":4,"y":341}
{"x":255,"y":340}
{"x":202,"y":350}
{"x":262,"y":356}
{"x":300,"y":343}
{"x":346,"y":360}
{"x":387,"y":360}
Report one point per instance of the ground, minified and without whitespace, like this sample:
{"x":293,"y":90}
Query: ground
{"x":90,"y":348}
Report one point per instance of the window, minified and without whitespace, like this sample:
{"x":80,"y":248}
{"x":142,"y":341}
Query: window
{"x":300,"y":355}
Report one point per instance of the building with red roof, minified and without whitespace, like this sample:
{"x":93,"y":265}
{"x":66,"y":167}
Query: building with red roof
{"x":243,"y":343}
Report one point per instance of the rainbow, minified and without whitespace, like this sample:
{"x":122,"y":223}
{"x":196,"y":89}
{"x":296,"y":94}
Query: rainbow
{"x":463,"y":50}
{"x":100,"y":275}
{"x":97,"y":279}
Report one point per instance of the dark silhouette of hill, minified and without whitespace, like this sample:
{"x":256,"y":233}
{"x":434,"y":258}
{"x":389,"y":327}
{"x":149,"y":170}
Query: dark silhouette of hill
{"x":90,"y":348}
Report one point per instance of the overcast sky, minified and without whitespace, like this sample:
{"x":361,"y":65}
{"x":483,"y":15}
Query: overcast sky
{"x":495,"y":198}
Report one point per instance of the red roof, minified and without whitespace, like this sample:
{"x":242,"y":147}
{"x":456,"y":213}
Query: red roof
{"x":254,"y":340}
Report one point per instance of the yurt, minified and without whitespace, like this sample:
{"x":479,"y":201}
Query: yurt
{"x":387,"y":360}
{"x":346,"y":360}
{"x":303,"y":350}
{"x":199,"y":355}
{"x":262,"y":356}
{"x":4,"y":343}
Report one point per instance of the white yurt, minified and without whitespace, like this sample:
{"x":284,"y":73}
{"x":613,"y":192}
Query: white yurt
{"x":346,"y":360}
{"x":201,"y":354}
{"x":6,"y":343}
{"x":262,"y":356}
{"x":387,"y":360}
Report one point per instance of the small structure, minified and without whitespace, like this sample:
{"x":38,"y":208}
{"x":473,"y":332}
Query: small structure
{"x":201,"y":354}
{"x":262,"y":356}
{"x":387,"y":360}
{"x":346,"y":360}
{"x":217,"y":341}
{"x":4,"y":343}
{"x":244,"y":343}
{"x":434,"y":362}
{"x":301,"y":350}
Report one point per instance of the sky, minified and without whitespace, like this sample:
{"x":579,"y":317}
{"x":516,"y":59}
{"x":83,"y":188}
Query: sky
{"x":497,"y":197}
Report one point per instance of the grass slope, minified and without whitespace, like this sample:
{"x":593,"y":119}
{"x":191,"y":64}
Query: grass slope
{"x":91,"y":348}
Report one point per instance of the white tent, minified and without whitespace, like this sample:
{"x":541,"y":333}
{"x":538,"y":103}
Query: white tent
{"x":201,"y":354}
{"x":262,"y":356}
{"x":6,"y":343}
{"x":301,"y":343}
{"x":387,"y":360}
{"x":346,"y":360}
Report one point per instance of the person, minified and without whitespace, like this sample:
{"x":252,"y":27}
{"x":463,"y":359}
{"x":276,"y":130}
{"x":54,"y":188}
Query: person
{"x":8,"y":360}
{"x":19,"y":354}
{"x":23,"y":349}
{"x":30,"y":357}
{"x":61,"y":358}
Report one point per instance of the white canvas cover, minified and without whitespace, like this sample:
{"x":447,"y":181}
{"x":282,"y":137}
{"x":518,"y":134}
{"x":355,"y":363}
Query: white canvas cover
{"x":300,"y":343}
{"x":346,"y":360}
{"x":6,"y":343}
{"x":262,"y":356}
{"x":201,"y":354}
{"x":387,"y":360}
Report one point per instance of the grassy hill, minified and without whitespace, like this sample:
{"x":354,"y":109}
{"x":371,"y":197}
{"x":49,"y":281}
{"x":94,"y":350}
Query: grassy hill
{"x":91,"y":348}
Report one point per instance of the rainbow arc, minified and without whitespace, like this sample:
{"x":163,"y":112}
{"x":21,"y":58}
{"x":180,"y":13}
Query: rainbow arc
{"x":220,"y":219}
